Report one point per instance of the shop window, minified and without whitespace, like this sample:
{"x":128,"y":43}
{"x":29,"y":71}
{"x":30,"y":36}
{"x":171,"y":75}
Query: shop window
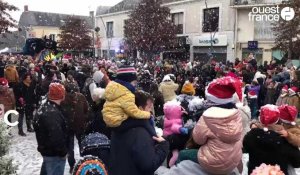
{"x":210,"y":20}
{"x":111,"y":52}
{"x":177,"y":19}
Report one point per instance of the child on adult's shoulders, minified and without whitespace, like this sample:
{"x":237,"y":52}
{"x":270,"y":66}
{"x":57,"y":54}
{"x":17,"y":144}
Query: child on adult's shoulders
{"x":266,"y":143}
{"x":120,"y":99}
{"x":286,"y":125}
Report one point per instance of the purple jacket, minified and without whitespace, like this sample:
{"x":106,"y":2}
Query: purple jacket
{"x":254,"y":88}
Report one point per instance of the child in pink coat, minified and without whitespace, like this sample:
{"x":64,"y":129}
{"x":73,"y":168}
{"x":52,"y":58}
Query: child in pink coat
{"x":173,"y":125}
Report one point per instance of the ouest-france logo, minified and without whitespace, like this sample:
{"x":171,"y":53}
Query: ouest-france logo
{"x":271,"y":13}
{"x":5,"y":115}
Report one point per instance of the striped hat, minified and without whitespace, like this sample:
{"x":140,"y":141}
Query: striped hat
{"x":127,"y":73}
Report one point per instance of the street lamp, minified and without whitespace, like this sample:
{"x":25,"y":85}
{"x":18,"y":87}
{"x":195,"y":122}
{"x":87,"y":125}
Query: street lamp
{"x":97,"y":30}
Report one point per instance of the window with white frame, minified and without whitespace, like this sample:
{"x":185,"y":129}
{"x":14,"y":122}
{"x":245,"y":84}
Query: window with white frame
{"x":109,"y":29}
{"x":210,"y":20}
{"x":263,"y":31}
{"x":177,"y":19}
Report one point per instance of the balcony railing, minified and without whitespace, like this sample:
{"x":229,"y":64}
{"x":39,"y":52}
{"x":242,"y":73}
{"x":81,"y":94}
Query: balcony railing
{"x":255,"y":2}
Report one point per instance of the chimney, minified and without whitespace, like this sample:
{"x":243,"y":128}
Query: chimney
{"x":25,"y":8}
{"x":91,"y":14}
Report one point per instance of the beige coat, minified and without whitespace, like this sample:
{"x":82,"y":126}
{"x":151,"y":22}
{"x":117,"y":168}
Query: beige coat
{"x":293,"y":101}
{"x":219,"y":131}
{"x":168,"y":90}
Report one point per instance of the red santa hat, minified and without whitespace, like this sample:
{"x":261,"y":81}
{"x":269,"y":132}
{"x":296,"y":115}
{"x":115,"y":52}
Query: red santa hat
{"x":221,"y":90}
{"x":269,"y":114}
{"x":293,"y":89}
{"x":285,"y":88}
{"x":252,"y":94}
{"x":3,"y":82}
{"x":288,"y":114}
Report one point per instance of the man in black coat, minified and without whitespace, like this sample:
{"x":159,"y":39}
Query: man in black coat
{"x":26,"y":101}
{"x":270,"y":148}
{"x":135,"y":152}
{"x":51,"y":132}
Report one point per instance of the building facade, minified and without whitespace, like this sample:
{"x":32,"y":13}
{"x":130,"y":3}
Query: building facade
{"x":207,"y":30}
{"x":253,"y":36}
{"x":33,"y":24}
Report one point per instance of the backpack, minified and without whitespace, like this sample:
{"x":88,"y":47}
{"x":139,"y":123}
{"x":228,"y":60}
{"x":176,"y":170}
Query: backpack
{"x":86,"y":90}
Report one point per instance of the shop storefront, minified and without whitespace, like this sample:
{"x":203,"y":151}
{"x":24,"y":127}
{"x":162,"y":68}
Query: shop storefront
{"x":181,"y":51}
{"x":206,"y":46}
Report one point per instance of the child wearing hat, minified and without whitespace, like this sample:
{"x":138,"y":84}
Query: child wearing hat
{"x":120,"y":99}
{"x":291,"y":131}
{"x":293,"y":99}
{"x":7,"y":97}
{"x":286,"y":126}
{"x":282,"y":99}
{"x":267,"y":146}
{"x":219,"y":129}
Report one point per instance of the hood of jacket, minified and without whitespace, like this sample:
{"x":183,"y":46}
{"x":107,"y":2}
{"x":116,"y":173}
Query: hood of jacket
{"x":10,"y":68}
{"x":114,"y":91}
{"x":223,"y":123}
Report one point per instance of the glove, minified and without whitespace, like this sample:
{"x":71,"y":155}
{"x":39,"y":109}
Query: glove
{"x":184,"y":131}
{"x":22,"y":101}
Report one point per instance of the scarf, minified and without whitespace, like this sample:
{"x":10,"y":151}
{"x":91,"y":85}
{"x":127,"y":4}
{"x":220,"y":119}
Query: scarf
{"x":127,"y":85}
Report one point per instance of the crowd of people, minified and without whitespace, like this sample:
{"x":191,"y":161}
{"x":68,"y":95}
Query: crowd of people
{"x":191,"y":117}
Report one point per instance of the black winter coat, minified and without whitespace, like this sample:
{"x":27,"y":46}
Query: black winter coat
{"x":269,"y":148}
{"x":2,"y":67}
{"x":51,"y":130}
{"x":134,"y":152}
{"x":27,"y":93}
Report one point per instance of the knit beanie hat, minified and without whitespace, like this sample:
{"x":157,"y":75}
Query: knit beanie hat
{"x":71,"y":87}
{"x":56,"y":91}
{"x":98,"y":76}
{"x":188,"y":88}
{"x":126,"y":73}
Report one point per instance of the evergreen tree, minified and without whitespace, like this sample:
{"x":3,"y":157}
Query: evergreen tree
{"x":75,"y":35}
{"x":6,"y":20}
{"x":287,"y":33}
{"x":149,"y":28}
{"x":6,"y":166}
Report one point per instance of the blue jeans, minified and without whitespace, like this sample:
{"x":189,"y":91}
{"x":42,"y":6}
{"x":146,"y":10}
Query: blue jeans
{"x":253,"y":107}
{"x":53,"y":166}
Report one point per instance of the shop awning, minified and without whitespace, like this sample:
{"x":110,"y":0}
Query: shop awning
{"x":296,"y":63}
{"x":278,"y":54}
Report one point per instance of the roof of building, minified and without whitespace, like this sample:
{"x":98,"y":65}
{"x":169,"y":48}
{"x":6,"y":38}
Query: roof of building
{"x":102,"y":9}
{"x":33,"y":18}
{"x":126,"y":5}
{"x":123,"y":6}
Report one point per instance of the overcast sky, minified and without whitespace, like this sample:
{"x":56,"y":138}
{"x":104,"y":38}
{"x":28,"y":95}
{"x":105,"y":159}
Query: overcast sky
{"x":77,"y":7}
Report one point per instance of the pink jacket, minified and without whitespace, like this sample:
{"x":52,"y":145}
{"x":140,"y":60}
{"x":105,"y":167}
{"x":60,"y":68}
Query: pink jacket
{"x":219,"y":131}
{"x":173,"y":120}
